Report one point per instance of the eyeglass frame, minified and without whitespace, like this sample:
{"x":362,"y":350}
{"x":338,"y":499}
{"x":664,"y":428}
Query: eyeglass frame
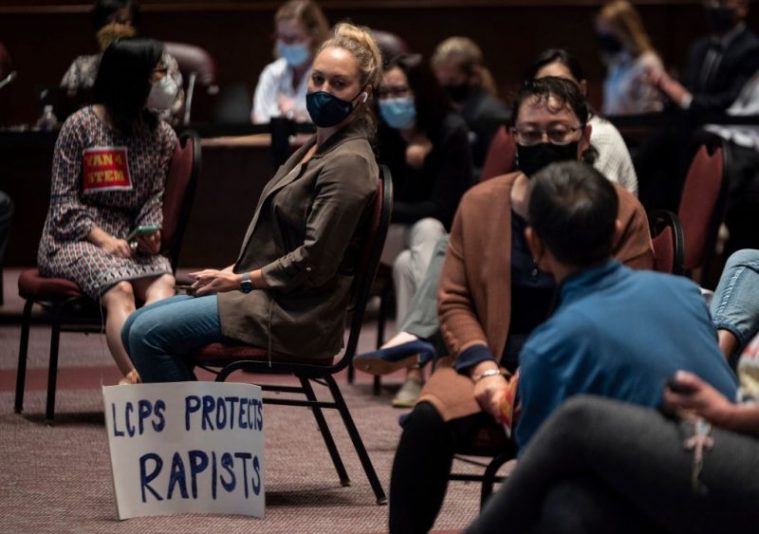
{"x":545,"y":133}
{"x":393,"y":92}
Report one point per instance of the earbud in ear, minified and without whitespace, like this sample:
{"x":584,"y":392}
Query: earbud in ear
{"x":365,"y":98}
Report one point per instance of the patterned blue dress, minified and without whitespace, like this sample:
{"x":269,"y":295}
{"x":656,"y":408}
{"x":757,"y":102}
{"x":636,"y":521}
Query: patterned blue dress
{"x":106,"y":179}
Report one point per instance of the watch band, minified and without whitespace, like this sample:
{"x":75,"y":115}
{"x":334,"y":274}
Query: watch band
{"x":246,"y":284}
{"x":488,"y":373}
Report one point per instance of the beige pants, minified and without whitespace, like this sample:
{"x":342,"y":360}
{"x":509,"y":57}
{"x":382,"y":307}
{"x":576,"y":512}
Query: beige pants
{"x":409,"y":248}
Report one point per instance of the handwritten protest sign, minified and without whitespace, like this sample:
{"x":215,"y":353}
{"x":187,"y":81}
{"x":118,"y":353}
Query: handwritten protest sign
{"x":186,"y":447}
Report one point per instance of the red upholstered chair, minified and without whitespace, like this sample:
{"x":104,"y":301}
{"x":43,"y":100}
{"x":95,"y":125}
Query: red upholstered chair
{"x":198,"y":68}
{"x":501,"y":156}
{"x":668,"y":241}
{"x":702,"y":205}
{"x":63,"y":304}
{"x":226,"y":358}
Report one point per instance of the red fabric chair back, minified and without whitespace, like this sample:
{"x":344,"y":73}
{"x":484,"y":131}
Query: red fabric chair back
{"x":699,"y":211}
{"x":193,"y":59}
{"x":179,"y":193}
{"x":501,"y":156}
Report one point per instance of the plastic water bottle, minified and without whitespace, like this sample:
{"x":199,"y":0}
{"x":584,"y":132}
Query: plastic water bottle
{"x":48,"y":121}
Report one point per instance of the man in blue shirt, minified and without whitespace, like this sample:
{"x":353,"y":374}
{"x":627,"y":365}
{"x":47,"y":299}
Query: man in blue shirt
{"x":615,"y":332}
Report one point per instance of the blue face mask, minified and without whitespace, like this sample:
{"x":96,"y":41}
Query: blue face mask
{"x":326,"y":110}
{"x":295,"y":54}
{"x":398,"y":113}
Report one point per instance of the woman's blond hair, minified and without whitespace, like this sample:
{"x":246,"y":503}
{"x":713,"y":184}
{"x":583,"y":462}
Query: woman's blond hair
{"x":359,"y":42}
{"x":623,"y":16}
{"x":310,"y":15}
{"x":466,"y":56}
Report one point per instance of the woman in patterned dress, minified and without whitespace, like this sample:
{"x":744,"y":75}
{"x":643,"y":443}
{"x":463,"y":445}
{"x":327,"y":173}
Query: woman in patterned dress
{"x":109,"y":170}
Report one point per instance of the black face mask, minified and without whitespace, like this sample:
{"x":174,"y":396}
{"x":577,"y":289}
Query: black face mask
{"x":457,"y":93}
{"x":720,"y":19}
{"x":326,"y":110}
{"x":609,"y":44}
{"x":531,"y":159}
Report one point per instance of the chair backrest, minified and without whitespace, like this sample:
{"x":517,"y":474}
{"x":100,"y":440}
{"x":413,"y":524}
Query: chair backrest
{"x":368,"y":261}
{"x":702,"y":203}
{"x":197,"y":67}
{"x":501,"y":155}
{"x":178,"y":194}
{"x":668,"y":242}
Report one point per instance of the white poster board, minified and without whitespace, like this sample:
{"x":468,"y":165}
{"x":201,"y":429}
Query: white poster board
{"x":186,"y":447}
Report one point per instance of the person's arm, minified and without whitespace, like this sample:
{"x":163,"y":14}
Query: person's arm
{"x":543,"y":387}
{"x":70,"y":218}
{"x":342,"y":193}
{"x":151,"y":212}
{"x":459,"y":322}
{"x":453,"y":177}
{"x":701,"y":399}
{"x":265,"y":97}
{"x":632,"y":241}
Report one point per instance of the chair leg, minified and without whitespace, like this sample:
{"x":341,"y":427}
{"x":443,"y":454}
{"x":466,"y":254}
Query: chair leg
{"x":52,"y":370}
{"x":381,"y":320}
{"x":326,"y":434}
{"x":358,"y":443}
{"x":23,"y":351}
{"x":489,"y":476}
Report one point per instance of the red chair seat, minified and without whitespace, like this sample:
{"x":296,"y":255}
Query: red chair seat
{"x":32,"y":285}
{"x":222,"y":353}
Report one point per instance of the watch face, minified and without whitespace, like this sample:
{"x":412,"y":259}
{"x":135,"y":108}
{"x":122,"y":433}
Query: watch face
{"x":246,"y":286}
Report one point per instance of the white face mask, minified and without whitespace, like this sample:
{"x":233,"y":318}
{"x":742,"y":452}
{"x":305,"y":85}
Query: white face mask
{"x":162,"y":94}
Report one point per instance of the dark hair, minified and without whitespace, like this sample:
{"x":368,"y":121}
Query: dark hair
{"x":556,"y":55}
{"x":573,"y":209}
{"x":103,"y":10}
{"x":123,"y":82}
{"x":564,"y":91}
{"x":430,"y":100}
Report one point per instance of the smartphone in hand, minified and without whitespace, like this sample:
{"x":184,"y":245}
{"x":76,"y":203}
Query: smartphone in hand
{"x":679,"y":387}
{"x":184,"y":289}
{"x":143,"y":229}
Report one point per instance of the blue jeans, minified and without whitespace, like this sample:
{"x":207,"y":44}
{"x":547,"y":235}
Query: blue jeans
{"x":735,"y":305}
{"x":157,"y":336}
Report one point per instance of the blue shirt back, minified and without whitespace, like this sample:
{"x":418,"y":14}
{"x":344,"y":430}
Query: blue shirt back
{"x":621,"y":334}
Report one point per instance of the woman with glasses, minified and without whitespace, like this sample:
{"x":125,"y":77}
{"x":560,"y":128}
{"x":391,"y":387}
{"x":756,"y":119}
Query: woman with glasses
{"x":300,"y":29}
{"x":420,"y":324}
{"x":109,"y":168}
{"x":491,"y":296}
{"x":612,"y":158}
{"x":425,"y":145}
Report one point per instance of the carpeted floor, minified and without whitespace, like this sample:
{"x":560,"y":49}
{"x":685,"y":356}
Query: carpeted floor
{"x":57,"y":479}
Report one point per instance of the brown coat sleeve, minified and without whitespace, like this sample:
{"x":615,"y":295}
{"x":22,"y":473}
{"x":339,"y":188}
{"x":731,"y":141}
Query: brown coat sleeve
{"x":459,"y":323}
{"x":632,"y":243}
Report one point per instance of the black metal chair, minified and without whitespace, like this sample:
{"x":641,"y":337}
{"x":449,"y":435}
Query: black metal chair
{"x":64,"y":305}
{"x":668,"y":241}
{"x":226,"y":358}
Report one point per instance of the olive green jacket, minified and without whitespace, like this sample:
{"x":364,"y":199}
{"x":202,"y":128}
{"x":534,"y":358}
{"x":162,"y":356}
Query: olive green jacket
{"x":304,"y":237}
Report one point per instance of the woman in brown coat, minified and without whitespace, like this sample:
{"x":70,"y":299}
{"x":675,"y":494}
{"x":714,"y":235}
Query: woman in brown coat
{"x":289,"y":288}
{"x":491,"y":296}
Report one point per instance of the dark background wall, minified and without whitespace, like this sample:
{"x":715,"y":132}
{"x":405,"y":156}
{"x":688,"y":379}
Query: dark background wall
{"x":43,"y":37}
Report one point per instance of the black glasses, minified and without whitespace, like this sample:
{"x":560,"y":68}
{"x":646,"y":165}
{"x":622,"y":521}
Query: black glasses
{"x":393,"y":92}
{"x":557,"y":135}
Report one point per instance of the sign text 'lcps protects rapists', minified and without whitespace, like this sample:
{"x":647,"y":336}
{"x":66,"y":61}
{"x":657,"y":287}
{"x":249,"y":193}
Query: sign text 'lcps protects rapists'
{"x":186,"y":447}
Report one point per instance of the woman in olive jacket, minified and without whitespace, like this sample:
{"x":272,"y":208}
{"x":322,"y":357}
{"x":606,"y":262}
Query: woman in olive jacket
{"x":289,"y":288}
